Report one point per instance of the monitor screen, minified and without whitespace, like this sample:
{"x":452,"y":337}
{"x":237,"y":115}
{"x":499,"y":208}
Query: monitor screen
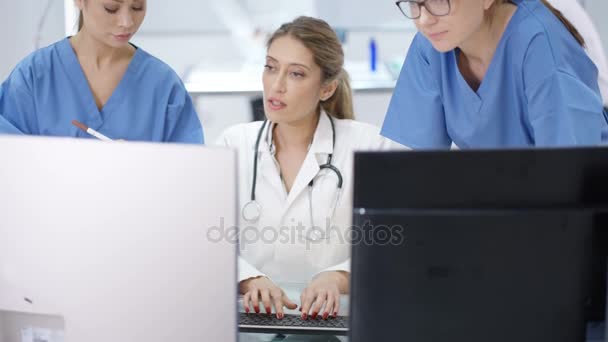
{"x":478,"y":245}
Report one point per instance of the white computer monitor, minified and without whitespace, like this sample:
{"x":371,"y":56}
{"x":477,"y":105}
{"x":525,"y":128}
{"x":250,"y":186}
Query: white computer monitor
{"x":111,"y":239}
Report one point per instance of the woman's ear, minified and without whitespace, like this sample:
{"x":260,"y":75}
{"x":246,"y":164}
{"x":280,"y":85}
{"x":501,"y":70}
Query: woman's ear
{"x":328,"y":89}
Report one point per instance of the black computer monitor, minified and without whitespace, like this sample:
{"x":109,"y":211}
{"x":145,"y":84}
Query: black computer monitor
{"x":478,"y":245}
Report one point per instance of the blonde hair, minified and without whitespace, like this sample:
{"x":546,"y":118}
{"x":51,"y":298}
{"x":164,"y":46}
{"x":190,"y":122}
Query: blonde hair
{"x":325,"y":46}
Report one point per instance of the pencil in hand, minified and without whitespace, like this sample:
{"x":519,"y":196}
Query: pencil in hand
{"x":90,"y":131}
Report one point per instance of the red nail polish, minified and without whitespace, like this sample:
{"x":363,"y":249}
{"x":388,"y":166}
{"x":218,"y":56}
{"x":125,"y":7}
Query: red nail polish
{"x":304,"y":316}
{"x":314,"y":315}
{"x":257,"y":309}
{"x":246,"y":310}
{"x":326,"y":315}
{"x":336,"y":314}
{"x":280,"y":316}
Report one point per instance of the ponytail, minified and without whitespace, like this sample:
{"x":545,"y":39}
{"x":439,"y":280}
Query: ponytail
{"x":566,"y":23}
{"x":556,"y":13}
{"x":340,"y":105}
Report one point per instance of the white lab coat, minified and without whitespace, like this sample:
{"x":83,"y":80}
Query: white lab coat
{"x":575,"y":13}
{"x":284,"y":255}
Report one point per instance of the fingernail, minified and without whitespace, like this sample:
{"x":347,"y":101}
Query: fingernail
{"x":246,"y":310}
{"x":257,"y":309}
{"x":280,"y":316}
{"x":336,"y":314}
{"x":268,"y":310}
{"x":325,"y":315}
{"x":314,"y":315}
{"x":304,"y":316}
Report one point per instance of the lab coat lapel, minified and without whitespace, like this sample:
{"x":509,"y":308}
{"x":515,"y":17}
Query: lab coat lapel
{"x":308,"y":171}
{"x":268,"y":169}
{"x":270,"y":174}
{"x":321,"y":146}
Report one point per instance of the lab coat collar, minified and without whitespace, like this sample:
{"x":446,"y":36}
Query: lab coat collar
{"x":266,"y":144}
{"x":322,"y":144}
{"x":322,"y":141}
{"x":308,"y":171}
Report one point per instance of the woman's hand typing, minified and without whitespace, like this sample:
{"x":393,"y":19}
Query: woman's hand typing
{"x":322,"y":295}
{"x":270,"y":294}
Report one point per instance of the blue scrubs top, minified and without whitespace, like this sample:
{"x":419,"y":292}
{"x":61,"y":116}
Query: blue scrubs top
{"x":48,"y":89}
{"x":540,"y":89}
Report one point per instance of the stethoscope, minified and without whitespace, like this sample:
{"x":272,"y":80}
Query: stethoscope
{"x":252,"y":210}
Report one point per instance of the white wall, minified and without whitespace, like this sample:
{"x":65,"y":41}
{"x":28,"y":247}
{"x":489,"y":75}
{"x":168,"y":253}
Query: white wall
{"x":11,"y":324}
{"x":598,"y":9}
{"x":18,"y":25}
{"x":361,"y":15}
{"x":186,"y":32}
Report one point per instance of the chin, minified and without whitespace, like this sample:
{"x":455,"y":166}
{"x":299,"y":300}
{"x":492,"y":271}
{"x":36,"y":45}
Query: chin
{"x":114,"y":43}
{"x":272,"y":116}
{"x":110,"y":43}
{"x":443,"y":46}
{"x":117,"y":45}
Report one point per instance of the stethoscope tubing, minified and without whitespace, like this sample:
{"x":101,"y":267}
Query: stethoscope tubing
{"x":257,"y":207}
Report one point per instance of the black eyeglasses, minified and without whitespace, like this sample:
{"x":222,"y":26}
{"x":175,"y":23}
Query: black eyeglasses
{"x":413,"y":8}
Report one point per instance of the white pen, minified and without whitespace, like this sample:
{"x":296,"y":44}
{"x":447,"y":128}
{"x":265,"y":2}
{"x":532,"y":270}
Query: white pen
{"x":90,"y":131}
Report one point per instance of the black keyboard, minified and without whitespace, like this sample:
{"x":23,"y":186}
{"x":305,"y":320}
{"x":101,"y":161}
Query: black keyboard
{"x":292,"y":324}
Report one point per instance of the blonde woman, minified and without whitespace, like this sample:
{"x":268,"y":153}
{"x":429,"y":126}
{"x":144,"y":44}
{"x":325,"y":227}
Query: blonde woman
{"x":296,"y":173}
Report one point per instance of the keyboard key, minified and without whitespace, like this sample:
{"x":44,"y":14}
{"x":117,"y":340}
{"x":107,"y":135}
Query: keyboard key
{"x":251,"y":319}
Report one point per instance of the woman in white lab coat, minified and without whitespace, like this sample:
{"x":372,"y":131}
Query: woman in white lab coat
{"x":291,"y":167}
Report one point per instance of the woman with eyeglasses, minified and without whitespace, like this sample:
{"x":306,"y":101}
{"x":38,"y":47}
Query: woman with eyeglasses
{"x":494,"y":74}
{"x":296,"y":175}
{"x":100,"y":79}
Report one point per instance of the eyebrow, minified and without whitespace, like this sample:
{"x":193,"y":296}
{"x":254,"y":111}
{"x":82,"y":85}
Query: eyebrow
{"x":290,"y":64}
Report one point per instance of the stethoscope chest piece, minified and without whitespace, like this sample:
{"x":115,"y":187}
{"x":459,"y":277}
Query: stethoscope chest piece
{"x":251,"y":211}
